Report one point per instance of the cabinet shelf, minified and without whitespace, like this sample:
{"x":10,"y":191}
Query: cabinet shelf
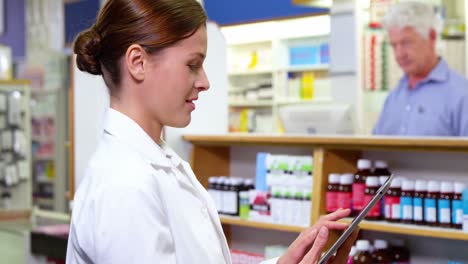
{"x":250,"y":72}
{"x":409,"y":229}
{"x":286,"y":101}
{"x":302,"y":68}
{"x":250,"y":103}
{"x":236,"y":221}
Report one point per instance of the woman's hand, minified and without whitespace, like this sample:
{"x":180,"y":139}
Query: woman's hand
{"x":308,"y":246}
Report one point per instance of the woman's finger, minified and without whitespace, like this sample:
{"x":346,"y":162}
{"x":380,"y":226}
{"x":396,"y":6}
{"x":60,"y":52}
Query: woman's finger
{"x":314,"y":253}
{"x":299,"y":247}
{"x":335,"y":225}
{"x":343,"y":252}
{"x":338,"y":214}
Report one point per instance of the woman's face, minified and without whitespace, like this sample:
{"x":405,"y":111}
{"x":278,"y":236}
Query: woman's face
{"x":175,"y":78}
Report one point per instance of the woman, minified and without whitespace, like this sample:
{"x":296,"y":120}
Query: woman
{"x":139,"y":202}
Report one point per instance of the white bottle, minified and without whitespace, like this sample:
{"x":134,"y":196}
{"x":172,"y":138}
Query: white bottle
{"x":306,"y":203}
{"x":276,"y":204}
{"x":221,"y":181}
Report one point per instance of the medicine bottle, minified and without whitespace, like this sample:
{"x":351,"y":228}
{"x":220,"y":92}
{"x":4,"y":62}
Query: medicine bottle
{"x":430,"y":203}
{"x":363,"y":255}
{"x":406,"y":201}
{"x":420,"y":193}
{"x":444,"y":204}
{"x":345,"y":191}
{"x":372,"y":185}
{"x":392,"y":201}
{"x":332,"y":192}
{"x":359,"y":184}
{"x":457,"y":207}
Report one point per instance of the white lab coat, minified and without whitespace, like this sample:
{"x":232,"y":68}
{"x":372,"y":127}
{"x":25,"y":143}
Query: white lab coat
{"x":140,"y":203}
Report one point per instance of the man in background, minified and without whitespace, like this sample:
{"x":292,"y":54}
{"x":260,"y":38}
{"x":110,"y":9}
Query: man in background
{"x":430,"y":99}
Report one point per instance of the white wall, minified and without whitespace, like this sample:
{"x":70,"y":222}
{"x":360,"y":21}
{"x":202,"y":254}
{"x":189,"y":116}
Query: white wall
{"x":90,"y":100}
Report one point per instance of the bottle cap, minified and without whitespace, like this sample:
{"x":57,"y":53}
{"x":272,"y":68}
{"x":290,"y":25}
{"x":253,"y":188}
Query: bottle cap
{"x":221,"y":180}
{"x":433,"y":186}
{"x":407,"y":185}
{"x":396,"y":183}
{"x":420,"y":186}
{"x":212,"y":180}
{"x":353,"y":251}
{"x":346,"y":179}
{"x":363,"y":245}
{"x":446,"y":187}
{"x":372,"y":181}
{"x":248,"y":182}
{"x":381,"y":164}
{"x":383,"y":179}
{"x":459,"y":187}
{"x":333,"y":178}
{"x":380,"y":244}
{"x":364,"y":164}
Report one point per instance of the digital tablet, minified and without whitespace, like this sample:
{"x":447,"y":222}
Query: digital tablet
{"x":379,"y":194}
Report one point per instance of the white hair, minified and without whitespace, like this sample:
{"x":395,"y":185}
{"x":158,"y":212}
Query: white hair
{"x":417,"y":15}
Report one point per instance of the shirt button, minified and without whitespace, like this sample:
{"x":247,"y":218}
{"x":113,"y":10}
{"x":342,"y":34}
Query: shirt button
{"x":408,"y":108}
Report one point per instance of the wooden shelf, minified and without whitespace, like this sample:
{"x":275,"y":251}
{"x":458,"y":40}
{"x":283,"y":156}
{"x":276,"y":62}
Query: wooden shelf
{"x":265,"y":103}
{"x":15,"y":82}
{"x":303,"y":68}
{"x":336,"y":142}
{"x":415,"y":230}
{"x":250,"y":72}
{"x":231,"y":220}
{"x":287,"y":101}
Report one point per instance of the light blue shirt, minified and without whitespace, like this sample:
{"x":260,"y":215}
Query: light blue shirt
{"x":436,"y":106}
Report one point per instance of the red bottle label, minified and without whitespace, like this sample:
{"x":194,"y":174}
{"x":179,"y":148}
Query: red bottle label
{"x":358,"y":196}
{"x":375,"y":211}
{"x":344,"y":200}
{"x":332,"y":201}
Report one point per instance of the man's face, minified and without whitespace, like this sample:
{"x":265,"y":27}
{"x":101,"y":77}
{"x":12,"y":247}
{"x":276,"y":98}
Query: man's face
{"x":412,"y":51}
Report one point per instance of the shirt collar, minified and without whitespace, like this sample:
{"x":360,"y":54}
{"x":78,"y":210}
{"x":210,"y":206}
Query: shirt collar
{"x":129,"y":132}
{"x":438,"y":74}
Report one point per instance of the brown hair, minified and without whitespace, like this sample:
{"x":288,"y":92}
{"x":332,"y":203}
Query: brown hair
{"x":154,"y":24}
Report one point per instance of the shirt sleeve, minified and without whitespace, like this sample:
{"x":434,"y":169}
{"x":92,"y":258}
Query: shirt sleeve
{"x":131,"y":226}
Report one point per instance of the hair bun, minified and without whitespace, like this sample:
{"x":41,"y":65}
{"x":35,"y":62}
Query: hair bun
{"x":87,"y":48}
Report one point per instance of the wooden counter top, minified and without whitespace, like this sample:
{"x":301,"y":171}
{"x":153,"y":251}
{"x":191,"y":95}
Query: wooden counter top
{"x":450,"y":144}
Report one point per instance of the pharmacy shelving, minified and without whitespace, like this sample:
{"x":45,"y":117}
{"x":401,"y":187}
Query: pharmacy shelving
{"x":261,"y":64}
{"x":15,"y":159}
{"x":49,"y":159}
{"x":331,"y":154}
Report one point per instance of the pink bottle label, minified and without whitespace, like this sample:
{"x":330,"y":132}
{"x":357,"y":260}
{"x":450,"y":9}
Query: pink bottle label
{"x":344,"y":200}
{"x":375,"y":211}
{"x":332,"y":201}
{"x":358,"y":196}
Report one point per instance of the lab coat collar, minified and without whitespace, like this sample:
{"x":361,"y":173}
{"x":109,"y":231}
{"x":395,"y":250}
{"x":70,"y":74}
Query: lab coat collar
{"x":128,"y":131}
